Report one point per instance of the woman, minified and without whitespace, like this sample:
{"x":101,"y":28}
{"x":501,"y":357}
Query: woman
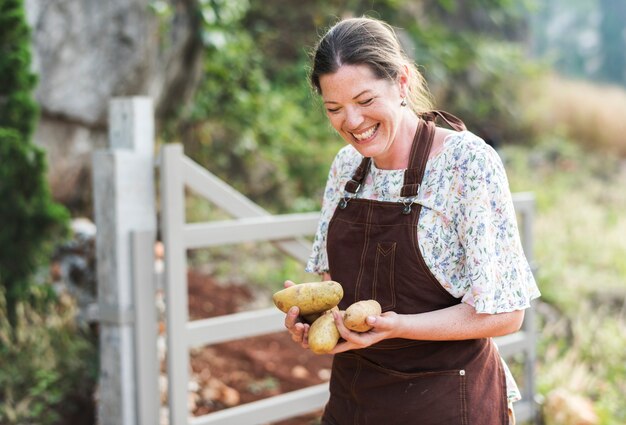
{"x":421,"y":219}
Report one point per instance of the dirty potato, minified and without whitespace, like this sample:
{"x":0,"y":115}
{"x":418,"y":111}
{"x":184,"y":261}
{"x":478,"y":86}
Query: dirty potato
{"x":311,"y":297}
{"x":357,"y":313}
{"x":323,"y":333}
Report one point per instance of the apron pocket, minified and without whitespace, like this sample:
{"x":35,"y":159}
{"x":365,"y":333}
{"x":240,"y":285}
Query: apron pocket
{"x":426,"y":398}
{"x":383,"y":289}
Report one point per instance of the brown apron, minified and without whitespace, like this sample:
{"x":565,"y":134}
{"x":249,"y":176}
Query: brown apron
{"x":374,"y":253}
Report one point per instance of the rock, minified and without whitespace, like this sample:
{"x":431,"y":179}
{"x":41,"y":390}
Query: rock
{"x":324,"y":374}
{"x":209,"y":394}
{"x":83,"y":228}
{"x":73,"y":268}
{"x":159,"y":250}
{"x":564,"y":408}
{"x":229,"y":396}
{"x":215,"y":391}
{"x":86,"y":52}
{"x":193,"y":385}
{"x":299,"y":372}
{"x":163,"y":388}
{"x":192,"y":401}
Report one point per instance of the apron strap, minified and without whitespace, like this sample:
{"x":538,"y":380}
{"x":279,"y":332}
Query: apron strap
{"x":420,"y":150}
{"x":452,"y":121}
{"x":353,"y":185}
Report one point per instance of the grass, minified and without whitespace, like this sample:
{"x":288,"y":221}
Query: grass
{"x":580,"y":226}
{"x":587,"y":113}
{"x":579,"y":247}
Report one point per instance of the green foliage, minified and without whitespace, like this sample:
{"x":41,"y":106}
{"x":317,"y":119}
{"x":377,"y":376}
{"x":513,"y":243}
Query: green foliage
{"x":30,"y":219}
{"x":41,"y":352}
{"x":264,"y":138}
{"x":255,"y":122}
{"x":17,"y":108}
{"x":579,"y":226}
{"x":49,"y":366}
{"x":284,"y":31}
{"x":579,"y":249}
{"x":473,"y":58}
{"x":218,"y":16}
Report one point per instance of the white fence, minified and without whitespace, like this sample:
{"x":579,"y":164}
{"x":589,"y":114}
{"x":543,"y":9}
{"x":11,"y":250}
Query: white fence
{"x":133,"y":309}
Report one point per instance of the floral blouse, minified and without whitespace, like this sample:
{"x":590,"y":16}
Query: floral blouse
{"x":467,"y":228}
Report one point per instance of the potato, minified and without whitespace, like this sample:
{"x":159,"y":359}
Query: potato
{"x":323,"y":333}
{"x":312,"y":297}
{"x":357,"y":313}
{"x":310,"y":318}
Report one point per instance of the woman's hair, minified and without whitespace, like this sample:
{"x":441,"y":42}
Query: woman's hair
{"x":371,"y":42}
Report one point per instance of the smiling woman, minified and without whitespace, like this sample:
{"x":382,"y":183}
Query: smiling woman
{"x":368,"y":113}
{"x":420,"y":219}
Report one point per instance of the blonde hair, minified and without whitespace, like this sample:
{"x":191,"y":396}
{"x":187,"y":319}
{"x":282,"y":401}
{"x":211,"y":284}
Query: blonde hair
{"x":371,"y":42}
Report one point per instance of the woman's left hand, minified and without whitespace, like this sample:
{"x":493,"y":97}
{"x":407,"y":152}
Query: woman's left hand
{"x":384,"y":327}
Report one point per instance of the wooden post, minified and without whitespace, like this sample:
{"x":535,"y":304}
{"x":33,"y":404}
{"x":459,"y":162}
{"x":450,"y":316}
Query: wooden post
{"x":124,"y":203}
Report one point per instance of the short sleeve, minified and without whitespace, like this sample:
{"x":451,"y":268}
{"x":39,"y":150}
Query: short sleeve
{"x":340,"y":172}
{"x":499,"y":277}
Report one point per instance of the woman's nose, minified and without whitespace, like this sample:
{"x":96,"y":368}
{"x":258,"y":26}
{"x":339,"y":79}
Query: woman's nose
{"x":353,"y":118}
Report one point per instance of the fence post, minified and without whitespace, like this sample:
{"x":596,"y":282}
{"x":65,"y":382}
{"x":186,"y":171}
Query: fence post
{"x":172,"y":226}
{"x":529,"y":391}
{"x":124,"y":203}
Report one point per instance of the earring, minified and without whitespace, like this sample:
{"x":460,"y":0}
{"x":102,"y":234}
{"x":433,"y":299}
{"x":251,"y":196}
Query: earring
{"x":403,"y":103}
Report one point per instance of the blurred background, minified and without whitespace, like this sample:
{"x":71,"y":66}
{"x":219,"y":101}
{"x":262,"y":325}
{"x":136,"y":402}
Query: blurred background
{"x":544,"y":82}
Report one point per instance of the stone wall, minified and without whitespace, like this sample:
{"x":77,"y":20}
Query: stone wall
{"x":88,"y":51}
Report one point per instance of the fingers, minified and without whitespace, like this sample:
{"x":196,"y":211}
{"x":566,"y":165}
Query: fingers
{"x":383,"y":328}
{"x":341,"y":327}
{"x":386,"y":322}
{"x":292,"y":317}
{"x":305,"y":335}
{"x":355,"y":339}
{"x":289,"y":283}
{"x":299,"y":331}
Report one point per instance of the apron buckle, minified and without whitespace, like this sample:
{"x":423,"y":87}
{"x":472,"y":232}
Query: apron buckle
{"x":407,"y":206}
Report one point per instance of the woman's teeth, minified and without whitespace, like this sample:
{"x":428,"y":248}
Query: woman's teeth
{"x":366,"y":134}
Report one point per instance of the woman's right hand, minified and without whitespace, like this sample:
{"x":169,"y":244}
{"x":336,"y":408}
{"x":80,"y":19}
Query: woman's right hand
{"x":293,"y":322}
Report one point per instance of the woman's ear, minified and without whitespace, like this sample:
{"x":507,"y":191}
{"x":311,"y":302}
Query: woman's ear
{"x":403,"y":80}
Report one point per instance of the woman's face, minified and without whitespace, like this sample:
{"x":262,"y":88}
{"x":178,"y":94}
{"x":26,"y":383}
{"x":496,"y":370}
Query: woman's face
{"x":365,"y":110}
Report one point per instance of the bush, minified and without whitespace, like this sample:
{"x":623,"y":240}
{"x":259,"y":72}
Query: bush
{"x":49,"y":366}
{"x":264,"y":137}
{"x":17,"y":107}
{"x":30,"y":219}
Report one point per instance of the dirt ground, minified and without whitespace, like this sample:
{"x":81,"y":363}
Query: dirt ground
{"x":238,"y":372}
